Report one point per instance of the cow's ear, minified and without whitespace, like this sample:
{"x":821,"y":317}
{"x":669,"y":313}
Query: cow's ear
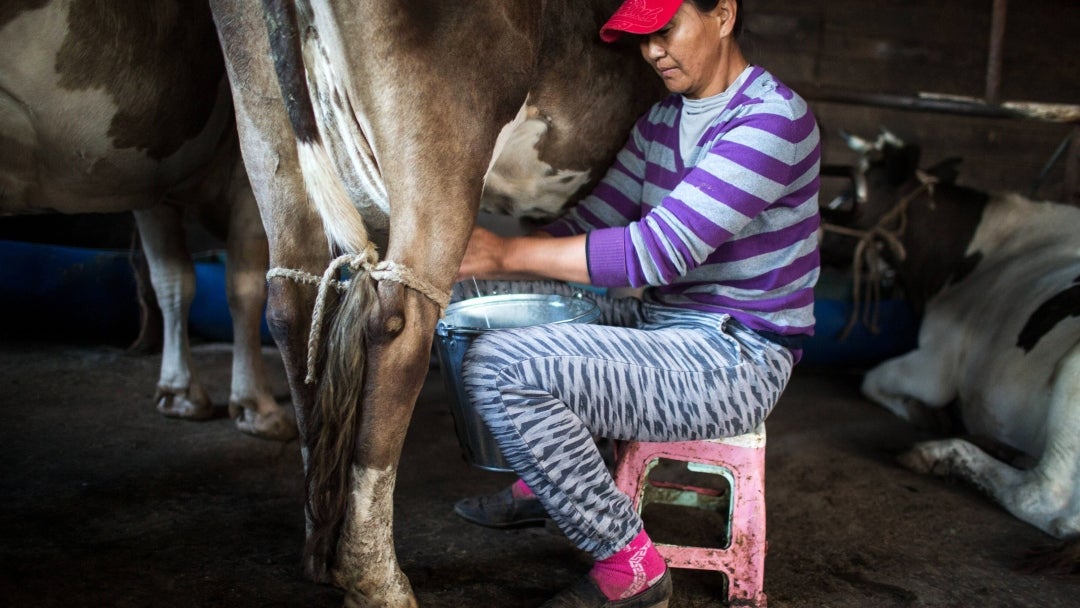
{"x":947,"y":170}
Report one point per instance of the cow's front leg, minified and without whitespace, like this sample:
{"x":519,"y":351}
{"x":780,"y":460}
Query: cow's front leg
{"x":400,"y":333}
{"x":1045,"y":495}
{"x":1030,"y":495}
{"x":915,"y":386}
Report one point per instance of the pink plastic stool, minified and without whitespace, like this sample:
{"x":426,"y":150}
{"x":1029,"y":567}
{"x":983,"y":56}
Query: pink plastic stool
{"x":740,"y":460}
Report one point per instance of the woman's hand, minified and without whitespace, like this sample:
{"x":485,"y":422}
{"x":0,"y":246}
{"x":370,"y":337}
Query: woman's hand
{"x":484,"y":255}
{"x":490,"y":256}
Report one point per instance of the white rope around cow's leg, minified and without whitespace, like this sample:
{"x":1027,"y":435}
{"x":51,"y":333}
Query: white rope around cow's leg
{"x":392,"y":271}
{"x":361,"y":262}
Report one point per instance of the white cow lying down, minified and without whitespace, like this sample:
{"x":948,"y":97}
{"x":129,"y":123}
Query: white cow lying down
{"x":999,"y":279}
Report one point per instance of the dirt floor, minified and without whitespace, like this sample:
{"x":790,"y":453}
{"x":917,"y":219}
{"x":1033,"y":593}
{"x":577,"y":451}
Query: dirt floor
{"x":105,"y":503}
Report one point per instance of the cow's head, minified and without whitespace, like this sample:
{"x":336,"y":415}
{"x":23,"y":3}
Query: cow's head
{"x":883,"y":168}
{"x":907,"y":224}
{"x":883,"y":165}
{"x":887,"y":160}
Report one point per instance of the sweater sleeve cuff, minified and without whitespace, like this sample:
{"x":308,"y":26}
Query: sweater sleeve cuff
{"x":606,"y":257}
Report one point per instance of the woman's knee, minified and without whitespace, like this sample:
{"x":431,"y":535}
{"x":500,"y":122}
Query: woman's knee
{"x":486,"y":360}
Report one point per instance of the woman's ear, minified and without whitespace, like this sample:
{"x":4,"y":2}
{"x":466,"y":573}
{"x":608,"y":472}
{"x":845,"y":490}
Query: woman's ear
{"x":725,"y":11}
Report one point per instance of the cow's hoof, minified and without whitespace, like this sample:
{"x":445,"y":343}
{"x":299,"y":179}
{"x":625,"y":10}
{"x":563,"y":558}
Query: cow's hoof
{"x":919,"y":459}
{"x":176,"y":404}
{"x":387,"y":588}
{"x":275,"y":426}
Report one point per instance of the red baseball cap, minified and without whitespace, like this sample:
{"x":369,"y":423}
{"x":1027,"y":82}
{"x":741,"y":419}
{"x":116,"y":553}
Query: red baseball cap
{"x":639,"y":17}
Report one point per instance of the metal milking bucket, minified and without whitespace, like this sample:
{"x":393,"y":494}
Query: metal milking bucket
{"x":467,"y":319}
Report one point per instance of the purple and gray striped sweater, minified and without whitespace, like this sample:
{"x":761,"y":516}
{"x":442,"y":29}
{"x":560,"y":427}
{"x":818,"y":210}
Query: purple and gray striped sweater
{"x":731,"y":228}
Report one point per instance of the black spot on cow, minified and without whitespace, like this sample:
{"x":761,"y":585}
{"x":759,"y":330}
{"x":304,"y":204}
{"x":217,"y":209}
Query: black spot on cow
{"x":1051,"y":312}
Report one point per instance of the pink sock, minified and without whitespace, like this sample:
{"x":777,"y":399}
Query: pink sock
{"x":520,"y":490}
{"x":631,"y":570}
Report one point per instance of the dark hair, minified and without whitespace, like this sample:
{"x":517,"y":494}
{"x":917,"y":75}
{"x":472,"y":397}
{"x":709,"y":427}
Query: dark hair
{"x":705,"y":6}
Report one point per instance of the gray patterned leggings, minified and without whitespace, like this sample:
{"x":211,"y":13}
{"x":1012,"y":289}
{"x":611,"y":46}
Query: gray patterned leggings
{"x":644,"y":372}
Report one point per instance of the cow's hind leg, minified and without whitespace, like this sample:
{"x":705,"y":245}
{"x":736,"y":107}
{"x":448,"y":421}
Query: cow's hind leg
{"x":179,"y":394}
{"x":398,"y":355}
{"x":1046,"y":496}
{"x":294,"y":231}
{"x":399,"y":337}
{"x":915,"y":386}
{"x":434,"y":117}
{"x":251,"y":403}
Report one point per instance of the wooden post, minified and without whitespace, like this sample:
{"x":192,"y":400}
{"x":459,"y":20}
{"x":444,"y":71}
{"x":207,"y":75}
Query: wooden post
{"x":994,"y":57}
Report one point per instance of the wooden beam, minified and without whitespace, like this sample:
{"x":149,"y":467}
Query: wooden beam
{"x":944,"y":104}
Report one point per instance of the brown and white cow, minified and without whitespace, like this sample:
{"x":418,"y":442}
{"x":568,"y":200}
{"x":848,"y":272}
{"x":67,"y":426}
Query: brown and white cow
{"x":399,"y":117}
{"x":998,"y":279}
{"x":117,"y":106}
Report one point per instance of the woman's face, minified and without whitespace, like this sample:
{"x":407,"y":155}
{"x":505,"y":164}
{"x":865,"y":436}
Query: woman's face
{"x":687,"y":52}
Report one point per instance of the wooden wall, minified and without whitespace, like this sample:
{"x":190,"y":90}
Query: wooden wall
{"x":832,"y":51}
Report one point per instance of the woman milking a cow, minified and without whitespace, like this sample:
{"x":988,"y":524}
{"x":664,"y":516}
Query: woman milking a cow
{"x":711,"y":206}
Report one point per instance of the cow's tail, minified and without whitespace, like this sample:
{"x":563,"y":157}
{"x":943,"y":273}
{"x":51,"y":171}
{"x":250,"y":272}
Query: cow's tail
{"x":333,"y":423}
{"x":331,"y":427}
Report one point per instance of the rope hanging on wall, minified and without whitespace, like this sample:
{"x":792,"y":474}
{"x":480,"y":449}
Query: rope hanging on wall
{"x":867,"y":256}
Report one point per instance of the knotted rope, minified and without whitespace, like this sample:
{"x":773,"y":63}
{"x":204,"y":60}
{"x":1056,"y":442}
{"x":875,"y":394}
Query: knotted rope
{"x":867,"y":255}
{"x":365,"y":261}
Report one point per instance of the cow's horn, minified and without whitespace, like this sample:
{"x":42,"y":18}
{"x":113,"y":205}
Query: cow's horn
{"x":890,"y":138}
{"x":855,"y":142}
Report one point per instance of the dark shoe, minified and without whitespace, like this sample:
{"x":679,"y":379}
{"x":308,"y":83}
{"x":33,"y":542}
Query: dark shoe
{"x":502,"y":510}
{"x":585,"y":594}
